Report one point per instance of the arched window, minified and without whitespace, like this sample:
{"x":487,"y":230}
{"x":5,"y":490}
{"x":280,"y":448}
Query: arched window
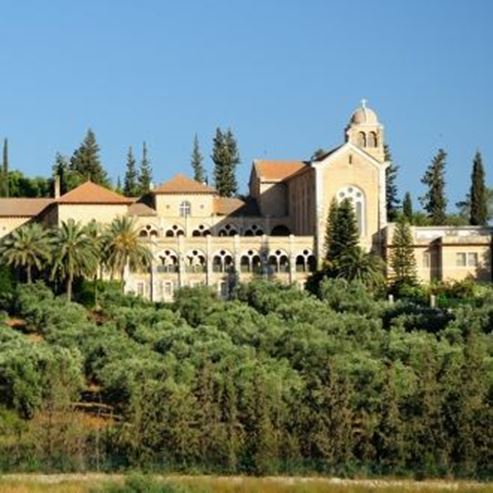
{"x":357,"y":198}
{"x":185,"y":208}
{"x":305,"y":262}
{"x":148,"y":230}
{"x":362,"y":139}
{"x":278,"y":262}
{"x":201,"y":231}
{"x":175,"y":231}
{"x":228,"y":230}
{"x":195,"y":261}
{"x":372,"y":139}
{"x":169,"y":261}
{"x":223,"y":262}
{"x":253,"y":230}
{"x":251,"y":262}
{"x":280,"y":230}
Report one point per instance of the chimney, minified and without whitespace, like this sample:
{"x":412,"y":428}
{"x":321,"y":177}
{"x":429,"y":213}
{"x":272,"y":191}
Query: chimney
{"x":56,"y":186}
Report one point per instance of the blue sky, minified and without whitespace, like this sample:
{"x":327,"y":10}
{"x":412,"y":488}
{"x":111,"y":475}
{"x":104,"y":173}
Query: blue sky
{"x":284,"y":75}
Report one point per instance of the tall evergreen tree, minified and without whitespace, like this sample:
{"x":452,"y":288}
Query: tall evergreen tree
{"x":342,"y":231}
{"x":478,"y":193}
{"x":226,"y":157}
{"x":197,"y":162}
{"x":130,"y":183}
{"x":434,"y":200}
{"x":69,"y":179}
{"x":86,"y":161}
{"x":5,"y":169}
{"x":145,"y":172}
{"x":402,"y":260}
{"x":407,"y":207}
{"x":331,"y":226}
{"x":391,"y":197}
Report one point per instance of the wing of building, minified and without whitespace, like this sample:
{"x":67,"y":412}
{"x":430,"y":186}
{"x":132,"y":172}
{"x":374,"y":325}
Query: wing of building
{"x":277,"y":231}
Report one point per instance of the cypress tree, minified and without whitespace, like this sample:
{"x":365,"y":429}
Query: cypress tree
{"x":391,"y":198}
{"x":234,"y":155}
{"x":478,"y":193}
{"x":145,"y":173}
{"x":407,"y":207}
{"x":119,"y":188}
{"x":434,"y":200}
{"x":86,"y":161}
{"x":226,"y":157}
{"x":130,"y":182}
{"x":196,"y":162}
{"x":5,"y":169}
{"x":402,"y":260}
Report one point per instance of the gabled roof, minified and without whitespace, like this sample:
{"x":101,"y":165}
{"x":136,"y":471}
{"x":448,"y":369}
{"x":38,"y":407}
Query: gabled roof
{"x":277,"y":170}
{"x":182,"y":184}
{"x":91,"y":193}
{"x":23,"y":207}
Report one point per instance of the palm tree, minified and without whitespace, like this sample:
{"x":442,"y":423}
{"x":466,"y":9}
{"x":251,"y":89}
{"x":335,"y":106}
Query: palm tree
{"x":95,"y":232}
{"x":74,"y":253}
{"x":27,"y":247}
{"x":357,"y":265}
{"x":123,"y":246}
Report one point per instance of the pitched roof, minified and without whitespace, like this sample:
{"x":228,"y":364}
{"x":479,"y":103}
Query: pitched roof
{"x":91,"y":193}
{"x":182,"y":184}
{"x":225,"y":206}
{"x":23,"y":207}
{"x":141,"y":209}
{"x":277,"y":170}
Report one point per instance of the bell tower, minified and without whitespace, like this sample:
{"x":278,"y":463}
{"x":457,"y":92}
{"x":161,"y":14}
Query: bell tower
{"x":365,"y":131}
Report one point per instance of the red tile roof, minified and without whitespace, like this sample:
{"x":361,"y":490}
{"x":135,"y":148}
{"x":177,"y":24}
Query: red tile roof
{"x":277,"y":170}
{"x":23,"y":207}
{"x":141,"y":209}
{"x":91,"y":193}
{"x":182,"y":184}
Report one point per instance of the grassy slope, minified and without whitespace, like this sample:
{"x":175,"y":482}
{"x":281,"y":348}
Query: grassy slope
{"x":79,"y":484}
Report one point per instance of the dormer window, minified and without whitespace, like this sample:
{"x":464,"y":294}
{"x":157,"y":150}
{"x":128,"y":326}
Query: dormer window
{"x":185,"y":208}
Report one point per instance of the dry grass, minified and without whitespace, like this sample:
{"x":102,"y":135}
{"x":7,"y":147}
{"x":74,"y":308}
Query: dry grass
{"x":85,"y":483}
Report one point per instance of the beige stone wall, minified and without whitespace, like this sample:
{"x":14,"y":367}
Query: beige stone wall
{"x":449,"y":253}
{"x":351,"y":169}
{"x":293,"y":267}
{"x":168,"y":205}
{"x":8,"y":224}
{"x":85,"y":213}
{"x":302,"y":203}
{"x":273,"y":199}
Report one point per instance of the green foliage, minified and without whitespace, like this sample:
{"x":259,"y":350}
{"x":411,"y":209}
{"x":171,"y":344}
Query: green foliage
{"x":478,"y":194}
{"x":407,"y":208}
{"x":23,"y":186}
{"x":145,"y":172}
{"x":130,"y":185}
{"x":275,"y":380}
{"x":226,"y":158}
{"x":144,"y":484}
{"x":342,"y":230}
{"x":391,"y":194}
{"x":434,"y":200}
{"x":26,"y":248}
{"x":197,"y":162}
{"x":402,"y":260}
{"x":86,"y":163}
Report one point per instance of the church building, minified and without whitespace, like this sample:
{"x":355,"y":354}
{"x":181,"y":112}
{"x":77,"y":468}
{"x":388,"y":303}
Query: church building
{"x":278,"y":231}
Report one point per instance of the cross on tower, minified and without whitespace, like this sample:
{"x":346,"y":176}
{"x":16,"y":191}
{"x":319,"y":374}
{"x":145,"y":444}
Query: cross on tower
{"x":363,"y":103}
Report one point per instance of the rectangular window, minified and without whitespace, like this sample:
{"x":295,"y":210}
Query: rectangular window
{"x":426,"y":259}
{"x":472,"y":259}
{"x":223,"y":290}
{"x":460,"y":259}
{"x":168,"y":289}
{"x":140,"y":288}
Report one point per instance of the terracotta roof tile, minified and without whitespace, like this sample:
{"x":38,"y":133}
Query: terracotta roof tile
{"x":277,"y":170}
{"x":182,"y":184}
{"x":91,"y":193}
{"x":23,"y":207}
{"x":225,"y":206}
{"x":141,"y":209}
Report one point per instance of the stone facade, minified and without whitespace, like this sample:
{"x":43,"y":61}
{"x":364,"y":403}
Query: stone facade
{"x":277,"y":232}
